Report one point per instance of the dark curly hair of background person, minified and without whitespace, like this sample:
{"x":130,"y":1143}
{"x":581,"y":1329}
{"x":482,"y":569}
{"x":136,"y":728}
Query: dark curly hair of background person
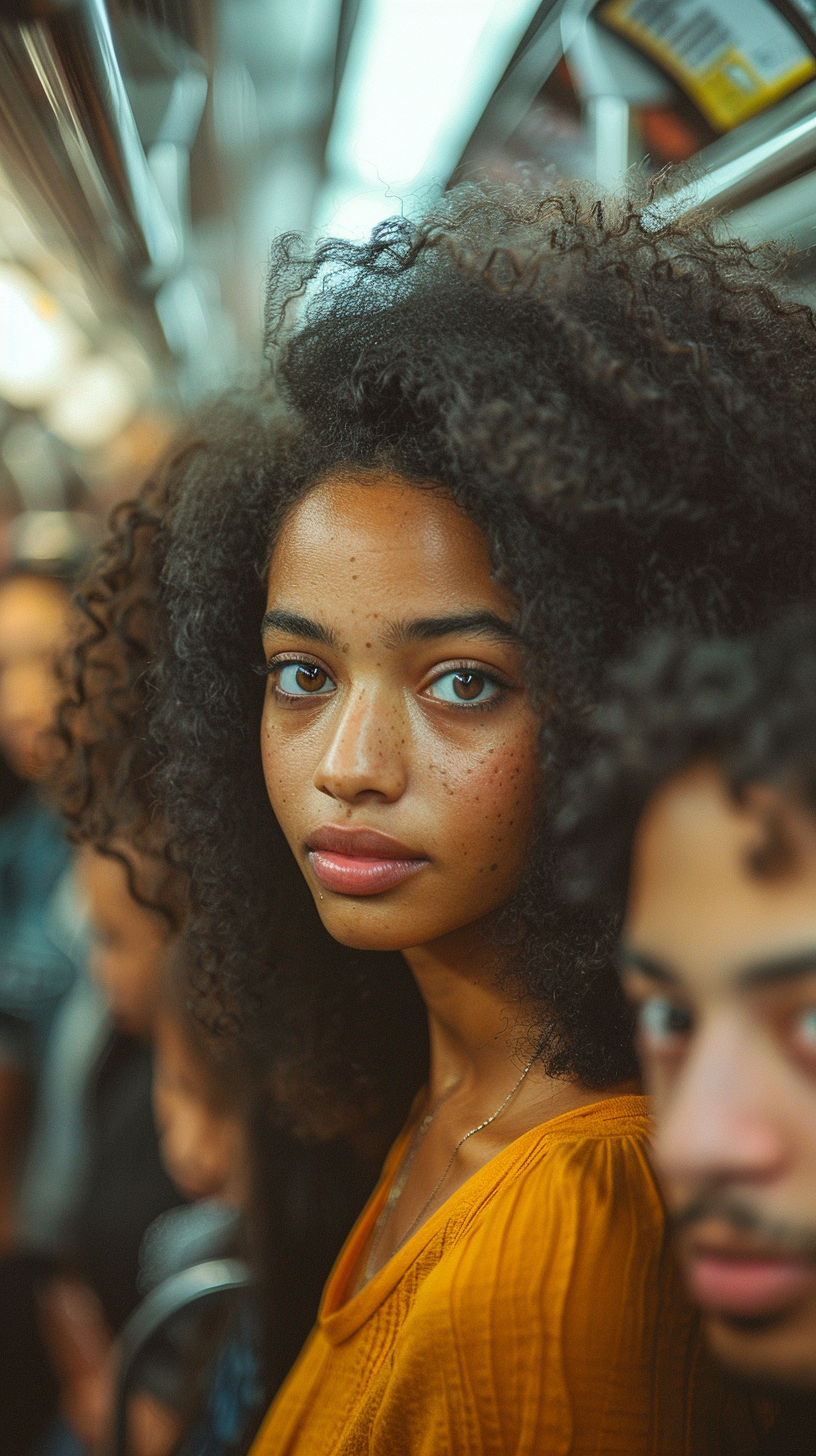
{"x":102,"y":783}
{"x":746,"y":704}
{"x":626,"y":406}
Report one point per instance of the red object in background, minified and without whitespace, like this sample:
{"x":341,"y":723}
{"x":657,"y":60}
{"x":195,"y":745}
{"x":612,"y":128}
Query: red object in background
{"x":668,"y":137}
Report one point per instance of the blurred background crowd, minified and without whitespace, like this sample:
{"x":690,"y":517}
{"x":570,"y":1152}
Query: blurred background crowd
{"x":149,"y":152}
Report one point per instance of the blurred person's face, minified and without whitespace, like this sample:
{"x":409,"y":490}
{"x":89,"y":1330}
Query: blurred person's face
{"x":129,"y":942}
{"x":719,"y":959}
{"x":34,"y":629}
{"x":203,"y":1145}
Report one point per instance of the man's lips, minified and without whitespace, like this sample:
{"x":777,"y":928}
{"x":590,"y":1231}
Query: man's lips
{"x":359,"y":861}
{"x":746,"y":1283}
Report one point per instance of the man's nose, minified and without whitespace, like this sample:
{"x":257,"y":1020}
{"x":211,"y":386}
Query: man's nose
{"x":366,"y":755}
{"x":721,"y":1122}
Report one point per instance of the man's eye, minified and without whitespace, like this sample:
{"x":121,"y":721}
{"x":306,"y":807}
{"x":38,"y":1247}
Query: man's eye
{"x":464,"y":685}
{"x":661,"y":1023}
{"x":298,"y":679}
{"x":805,"y":1029}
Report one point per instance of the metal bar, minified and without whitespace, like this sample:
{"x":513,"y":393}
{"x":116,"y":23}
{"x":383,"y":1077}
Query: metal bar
{"x":519,"y":86}
{"x":758,"y":156}
{"x":788,"y":214}
{"x":68,"y":132}
{"x":210,"y":1280}
{"x":93,"y":34}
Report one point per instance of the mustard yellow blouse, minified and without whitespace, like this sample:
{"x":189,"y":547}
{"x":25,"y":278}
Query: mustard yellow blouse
{"x":537,"y":1311}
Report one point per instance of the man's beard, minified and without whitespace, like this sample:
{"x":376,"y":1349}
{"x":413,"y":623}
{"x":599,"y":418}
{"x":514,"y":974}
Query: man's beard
{"x":777,"y":1237}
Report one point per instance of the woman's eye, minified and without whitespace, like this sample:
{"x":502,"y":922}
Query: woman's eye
{"x":464,"y":685}
{"x":661,"y":1023}
{"x":298,"y":679}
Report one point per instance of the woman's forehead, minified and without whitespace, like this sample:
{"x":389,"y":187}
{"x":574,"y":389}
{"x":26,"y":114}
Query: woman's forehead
{"x":381,"y":537}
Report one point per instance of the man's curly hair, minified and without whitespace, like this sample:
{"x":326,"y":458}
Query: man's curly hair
{"x":745,"y":704}
{"x":626,"y":407}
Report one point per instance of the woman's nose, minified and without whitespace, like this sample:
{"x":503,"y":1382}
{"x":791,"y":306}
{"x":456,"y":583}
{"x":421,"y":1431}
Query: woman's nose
{"x":366,"y":754}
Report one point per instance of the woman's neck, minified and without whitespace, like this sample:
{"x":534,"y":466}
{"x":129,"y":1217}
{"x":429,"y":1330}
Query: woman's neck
{"x":477,"y":1034}
{"x":486,"y":1088}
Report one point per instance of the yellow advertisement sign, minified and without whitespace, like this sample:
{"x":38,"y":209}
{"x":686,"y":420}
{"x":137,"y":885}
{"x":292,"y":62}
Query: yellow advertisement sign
{"x":732,"y":57}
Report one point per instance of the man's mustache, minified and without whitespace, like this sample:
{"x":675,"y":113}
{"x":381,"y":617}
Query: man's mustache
{"x":775,"y":1235}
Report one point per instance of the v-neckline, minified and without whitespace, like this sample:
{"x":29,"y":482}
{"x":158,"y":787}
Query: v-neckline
{"x":342,"y":1314}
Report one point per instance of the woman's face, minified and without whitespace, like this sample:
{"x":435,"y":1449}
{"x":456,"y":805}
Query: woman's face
{"x":400,"y":746}
{"x":129,"y":942}
{"x":203,"y":1145}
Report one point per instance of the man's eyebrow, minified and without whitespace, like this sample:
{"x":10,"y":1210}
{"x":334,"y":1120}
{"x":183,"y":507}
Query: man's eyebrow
{"x":279,"y":620}
{"x":472,"y":624}
{"x":632,"y":959}
{"x":767,"y":972}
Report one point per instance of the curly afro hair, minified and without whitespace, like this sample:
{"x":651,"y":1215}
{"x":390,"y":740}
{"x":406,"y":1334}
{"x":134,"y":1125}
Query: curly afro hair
{"x":102,"y":783}
{"x":747,"y":704}
{"x":626,"y":407}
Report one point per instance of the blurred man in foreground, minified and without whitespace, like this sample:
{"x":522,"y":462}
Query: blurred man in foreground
{"x":703,"y":796}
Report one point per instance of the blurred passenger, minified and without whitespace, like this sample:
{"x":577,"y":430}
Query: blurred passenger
{"x":207,"y":1372}
{"x":129,"y":938}
{"x":113,"y":1183}
{"x":200,"y":1103}
{"x":202,"y":1123}
{"x":702,"y":796}
{"x":35,"y":617}
{"x":124,"y":1184}
{"x":41,"y":944}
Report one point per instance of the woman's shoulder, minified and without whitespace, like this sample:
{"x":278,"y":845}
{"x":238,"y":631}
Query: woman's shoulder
{"x":586,"y":1171}
{"x":561,"y":1272}
{"x":623,"y":1114}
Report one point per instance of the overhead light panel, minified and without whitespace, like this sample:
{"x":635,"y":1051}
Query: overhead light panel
{"x":417,"y":79}
{"x":94,"y":406}
{"x":37,"y":343}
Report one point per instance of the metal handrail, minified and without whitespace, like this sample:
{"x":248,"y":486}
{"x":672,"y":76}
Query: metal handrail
{"x":201,"y":1282}
{"x":69,"y":135}
{"x":762,"y":167}
{"x":160,"y":237}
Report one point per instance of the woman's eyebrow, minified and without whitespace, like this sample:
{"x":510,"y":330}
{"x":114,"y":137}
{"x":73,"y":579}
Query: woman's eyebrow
{"x":473,"y":624}
{"x":280,"y":620}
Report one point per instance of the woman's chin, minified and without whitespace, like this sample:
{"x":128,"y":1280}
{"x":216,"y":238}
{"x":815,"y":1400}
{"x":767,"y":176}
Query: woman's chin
{"x":367,"y":925}
{"x":368,"y":937}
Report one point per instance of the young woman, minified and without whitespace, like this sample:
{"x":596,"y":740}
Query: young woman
{"x":499,"y":446}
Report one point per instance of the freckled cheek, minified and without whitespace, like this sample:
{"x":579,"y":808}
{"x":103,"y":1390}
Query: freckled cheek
{"x":286,"y":771}
{"x":486,"y":804}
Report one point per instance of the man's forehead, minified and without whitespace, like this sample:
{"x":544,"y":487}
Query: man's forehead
{"x":691,"y":842}
{"x":715,"y":887}
{"x":695,"y":828}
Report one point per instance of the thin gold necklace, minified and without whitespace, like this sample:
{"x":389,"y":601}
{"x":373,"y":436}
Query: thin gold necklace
{"x":398,"y":1185}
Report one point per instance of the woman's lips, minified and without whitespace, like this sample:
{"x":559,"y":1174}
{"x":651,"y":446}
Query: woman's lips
{"x":359,"y":861}
{"x":747,"y":1285}
{"x":353,"y":875}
